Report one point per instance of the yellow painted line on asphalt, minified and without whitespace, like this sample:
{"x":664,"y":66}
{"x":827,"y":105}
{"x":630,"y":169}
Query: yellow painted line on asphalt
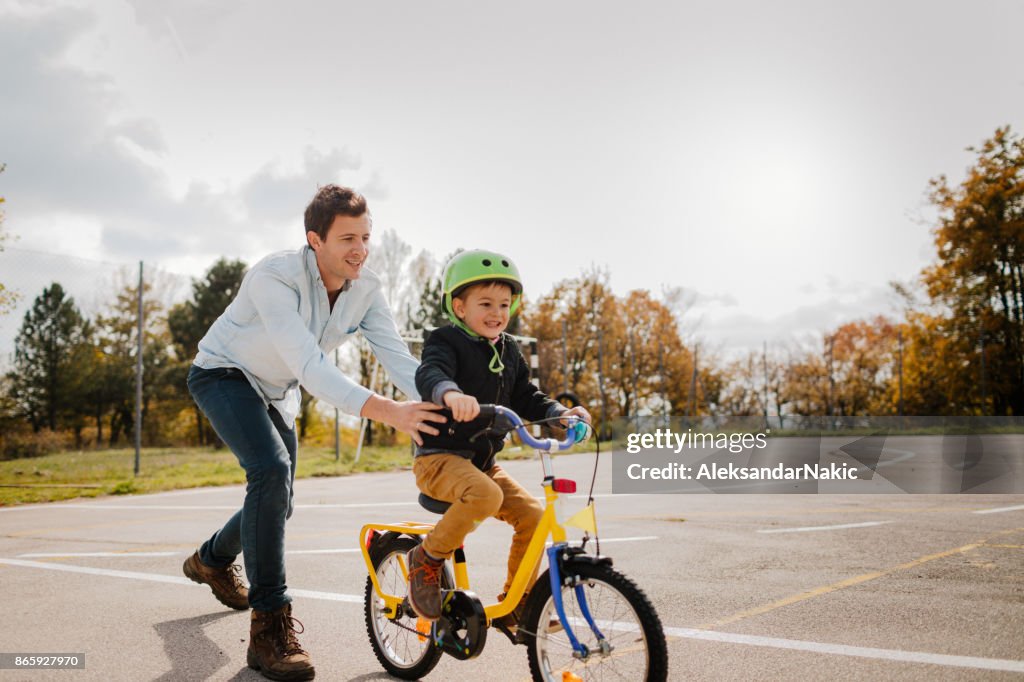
{"x":849,"y":582}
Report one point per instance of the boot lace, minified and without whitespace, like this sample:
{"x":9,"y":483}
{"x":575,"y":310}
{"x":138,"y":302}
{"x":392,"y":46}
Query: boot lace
{"x":289,"y":628}
{"x":234,"y":575}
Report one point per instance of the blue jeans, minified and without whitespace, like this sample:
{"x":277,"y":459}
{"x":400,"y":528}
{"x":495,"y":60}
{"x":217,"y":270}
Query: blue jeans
{"x":266,"y":448}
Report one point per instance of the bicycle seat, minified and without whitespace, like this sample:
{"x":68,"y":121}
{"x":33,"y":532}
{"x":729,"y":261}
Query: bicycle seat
{"x":432,"y":505}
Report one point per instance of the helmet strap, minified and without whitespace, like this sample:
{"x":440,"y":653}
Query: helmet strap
{"x":496,"y":365}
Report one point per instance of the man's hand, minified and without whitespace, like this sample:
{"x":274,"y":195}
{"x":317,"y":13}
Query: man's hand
{"x":464,"y":407}
{"x":408,"y":417}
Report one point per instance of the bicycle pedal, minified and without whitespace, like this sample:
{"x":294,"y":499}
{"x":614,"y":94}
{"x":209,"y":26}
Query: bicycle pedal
{"x":513,"y":635}
{"x":423,"y":628}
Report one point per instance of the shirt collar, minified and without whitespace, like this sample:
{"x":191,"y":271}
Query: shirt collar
{"x":314,"y":269}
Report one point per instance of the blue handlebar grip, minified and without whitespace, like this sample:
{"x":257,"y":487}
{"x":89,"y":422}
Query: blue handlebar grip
{"x":579,"y":432}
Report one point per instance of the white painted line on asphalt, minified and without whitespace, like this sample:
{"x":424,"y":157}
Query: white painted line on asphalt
{"x":808,"y":529}
{"x":127,"y":507}
{"x":999,"y":510}
{"x":225,"y":507}
{"x":638,"y":538}
{"x":374,"y":504}
{"x":197,"y":507}
{"x":606,"y":540}
{"x":327,"y":596}
{"x":904,"y":456}
{"x":999,"y":664}
{"x":171,"y":579}
{"x":324,"y":551}
{"x":46,"y":555}
{"x":88,"y":570}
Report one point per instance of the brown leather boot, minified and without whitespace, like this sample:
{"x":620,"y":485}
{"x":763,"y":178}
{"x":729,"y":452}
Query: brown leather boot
{"x":225,"y":583}
{"x":424,"y":583}
{"x":274,"y":649}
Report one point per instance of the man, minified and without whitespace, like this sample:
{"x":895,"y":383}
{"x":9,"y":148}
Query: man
{"x":292,"y":309}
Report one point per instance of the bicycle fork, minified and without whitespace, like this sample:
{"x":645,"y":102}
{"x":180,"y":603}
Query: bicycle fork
{"x":558,"y":561}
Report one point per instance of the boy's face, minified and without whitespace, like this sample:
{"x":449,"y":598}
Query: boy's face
{"x":484,"y":309}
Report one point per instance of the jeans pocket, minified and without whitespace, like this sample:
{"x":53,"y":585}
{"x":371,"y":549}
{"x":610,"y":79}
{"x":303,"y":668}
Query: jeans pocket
{"x":201,"y":376}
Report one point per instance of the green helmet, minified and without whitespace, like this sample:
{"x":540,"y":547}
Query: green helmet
{"x":470,"y":267}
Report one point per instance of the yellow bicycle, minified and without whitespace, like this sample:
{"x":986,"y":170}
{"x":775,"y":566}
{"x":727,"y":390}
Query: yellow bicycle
{"x":583,"y":620}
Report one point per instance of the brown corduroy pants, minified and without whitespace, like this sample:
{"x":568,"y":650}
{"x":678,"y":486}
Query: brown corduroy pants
{"x":476,"y":495}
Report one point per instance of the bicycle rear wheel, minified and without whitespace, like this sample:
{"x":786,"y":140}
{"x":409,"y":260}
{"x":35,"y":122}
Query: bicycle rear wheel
{"x":402,"y":645}
{"x":633,"y":647}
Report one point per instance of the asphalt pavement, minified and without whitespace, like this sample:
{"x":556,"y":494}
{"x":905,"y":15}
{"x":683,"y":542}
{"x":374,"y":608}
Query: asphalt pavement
{"x":749,"y":587}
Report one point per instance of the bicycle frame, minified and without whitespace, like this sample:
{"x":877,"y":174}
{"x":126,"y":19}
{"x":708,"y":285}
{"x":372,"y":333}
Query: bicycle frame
{"x":549,"y":525}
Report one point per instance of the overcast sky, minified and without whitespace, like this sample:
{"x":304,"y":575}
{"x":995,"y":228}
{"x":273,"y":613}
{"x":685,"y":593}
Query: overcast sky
{"x":771,"y":158}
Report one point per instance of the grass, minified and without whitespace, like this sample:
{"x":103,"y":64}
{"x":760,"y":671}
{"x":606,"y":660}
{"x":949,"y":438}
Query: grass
{"x":67,"y":475}
{"x":93,"y":473}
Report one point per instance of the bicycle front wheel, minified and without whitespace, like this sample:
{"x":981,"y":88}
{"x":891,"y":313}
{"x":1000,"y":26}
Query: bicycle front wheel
{"x":631,"y":646}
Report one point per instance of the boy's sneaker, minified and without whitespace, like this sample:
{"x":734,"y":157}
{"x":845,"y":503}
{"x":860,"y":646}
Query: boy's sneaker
{"x":424,"y":583}
{"x":225,"y":583}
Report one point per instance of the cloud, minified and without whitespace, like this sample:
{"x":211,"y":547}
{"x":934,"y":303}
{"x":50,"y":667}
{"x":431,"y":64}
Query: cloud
{"x":748,"y":332}
{"x":69,"y":151}
{"x":273,"y":195}
{"x":190,"y":25}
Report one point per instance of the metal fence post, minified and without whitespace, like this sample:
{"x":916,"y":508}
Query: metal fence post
{"x":138,"y":380}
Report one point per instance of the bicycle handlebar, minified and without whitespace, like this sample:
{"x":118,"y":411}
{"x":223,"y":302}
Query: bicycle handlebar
{"x":513,"y":422}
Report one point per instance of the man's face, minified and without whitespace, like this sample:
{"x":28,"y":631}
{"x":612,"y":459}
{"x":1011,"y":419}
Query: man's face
{"x":342,"y":253}
{"x":484,"y":309}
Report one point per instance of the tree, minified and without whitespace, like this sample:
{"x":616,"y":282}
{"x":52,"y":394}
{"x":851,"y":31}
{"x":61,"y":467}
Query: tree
{"x":117,"y":340}
{"x":429,"y":309}
{"x":46,"y":381}
{"x":620,"y":356}
{"x":574,"y":322}
{"x":979,"y":276}
{"x":863,"y":358}
{"x":189,"y":321}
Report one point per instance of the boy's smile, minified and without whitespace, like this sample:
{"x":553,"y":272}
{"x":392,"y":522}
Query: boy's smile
{"x":485,"y":309}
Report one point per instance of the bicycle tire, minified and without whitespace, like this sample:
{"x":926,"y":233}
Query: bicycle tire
{"x":402,"y":652}
{"x":622,"y":612}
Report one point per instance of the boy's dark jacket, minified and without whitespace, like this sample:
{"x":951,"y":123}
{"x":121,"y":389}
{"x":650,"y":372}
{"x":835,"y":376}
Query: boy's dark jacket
{"x":452,"y":359}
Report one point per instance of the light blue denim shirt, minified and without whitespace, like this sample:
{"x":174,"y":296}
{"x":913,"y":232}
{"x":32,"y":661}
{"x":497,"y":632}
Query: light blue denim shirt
{"x":280,"y":331}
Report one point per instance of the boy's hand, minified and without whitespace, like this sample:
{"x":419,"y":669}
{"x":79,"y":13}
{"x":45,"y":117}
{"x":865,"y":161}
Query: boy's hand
{"x":581,"y":412}
{"x":578,"y":411}
{"x":464,"y":407}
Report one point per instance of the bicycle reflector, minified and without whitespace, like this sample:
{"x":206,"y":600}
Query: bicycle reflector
{"x":564,"y":485}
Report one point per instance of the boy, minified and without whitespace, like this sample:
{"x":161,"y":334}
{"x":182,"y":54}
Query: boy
{"x":470,"y":362}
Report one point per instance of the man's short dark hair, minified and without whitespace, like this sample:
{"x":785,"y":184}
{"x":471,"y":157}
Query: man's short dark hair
{"x":331,"y":201}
